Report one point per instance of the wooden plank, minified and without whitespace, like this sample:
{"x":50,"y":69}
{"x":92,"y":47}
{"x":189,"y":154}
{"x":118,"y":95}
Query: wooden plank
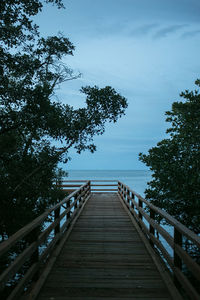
{"x":36,"y":289}
{"x":186,"y":284}
{"x":74,"y":181}
{"x":171,"y":220}
{"x":107,"y":190}
{"x":6,"y":245}
{"x":156,"y":259}
{"x":70,"y":185}
{"x":11,"y":270}
{"x":104,"y":257}
{"x":110,"y":180}
{"x":15,"y":294}
{"x":191,"y":264}
{"x":105,"y":298}
{"x":104,"y":184}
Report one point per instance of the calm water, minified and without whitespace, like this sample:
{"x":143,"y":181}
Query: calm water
{"x":135,"y":179}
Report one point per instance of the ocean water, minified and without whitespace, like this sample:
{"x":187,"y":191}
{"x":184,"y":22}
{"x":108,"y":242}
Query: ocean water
{"x":135,"y":179}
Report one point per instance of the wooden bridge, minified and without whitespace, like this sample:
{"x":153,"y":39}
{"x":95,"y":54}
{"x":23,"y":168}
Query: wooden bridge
{"x":103,"y":241}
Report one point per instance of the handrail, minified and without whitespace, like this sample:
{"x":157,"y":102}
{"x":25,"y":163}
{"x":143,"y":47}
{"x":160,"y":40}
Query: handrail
{"x":40,"y":238}
{"x":150,"y":215}
{"x":96,"y":185}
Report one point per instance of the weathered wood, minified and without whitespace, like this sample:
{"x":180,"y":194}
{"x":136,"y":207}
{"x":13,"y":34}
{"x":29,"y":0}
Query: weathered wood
{"x":151,"y":227}
{"x":6,"y":245}
{"x":192,"y":266}
{"x":37,"y":287}
{"x":11,"y":270}
{"x":106,"y":190}
{"x":171,"y":220}
{"x":56,"y":217}
{"x":104,"y":257}
{"x":177,"y":258}
{"x":156,"y":259}
{"x":180,"y":256}
{"x":15,"y":294}
{"x":74,"y":181}
{"x":34,"y":258}
{"x":31,"y":236}
{"x":155,"y":226}
{"x":70,"y":185}
{"x":187,"y":286}
{"x":104,"y":249}
{"x":104,"y":185}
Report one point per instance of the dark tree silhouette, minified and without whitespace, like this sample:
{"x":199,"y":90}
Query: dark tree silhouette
{"x":32,"y":122}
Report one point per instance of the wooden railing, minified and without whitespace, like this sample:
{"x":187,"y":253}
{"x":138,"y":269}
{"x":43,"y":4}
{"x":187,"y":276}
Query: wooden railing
{"x":40,"y":239}
{"x":178,"y":261}
{"x":96,"y":185}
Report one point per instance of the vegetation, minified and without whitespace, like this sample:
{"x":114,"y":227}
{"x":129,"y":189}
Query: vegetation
{"x":32,"y":121}
{"x":175,"y":163}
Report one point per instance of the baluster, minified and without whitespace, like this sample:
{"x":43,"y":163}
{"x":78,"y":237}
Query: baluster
{"x":56,"y":217}
{"x":177,"y":259}
{"x":140,"y":205}
{"x":124,"y":194}
{"x":128,"y":198}
{"x":75,"y":202}
{"x":69,"y":212}
{"x":82,"y":195}
{"x":90,"y":190}
{"x":35,"y":256}
{"x":120,"y":189}
{"x":132,"y":201}
{"x":151,"y":228}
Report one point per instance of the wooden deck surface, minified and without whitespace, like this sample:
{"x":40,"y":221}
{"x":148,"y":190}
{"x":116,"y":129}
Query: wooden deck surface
{"x":104,"y":258}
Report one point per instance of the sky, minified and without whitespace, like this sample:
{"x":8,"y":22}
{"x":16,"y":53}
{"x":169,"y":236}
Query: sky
{"x":147,"y":50}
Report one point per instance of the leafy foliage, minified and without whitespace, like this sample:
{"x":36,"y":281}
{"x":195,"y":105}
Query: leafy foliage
{"x":175,"y":163}
{"x":32,"y":122}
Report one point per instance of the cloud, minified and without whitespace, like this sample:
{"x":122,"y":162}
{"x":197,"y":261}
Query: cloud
{"x":144,"y":30}
{"x":162,"y":33}
{"x":190,"y":34}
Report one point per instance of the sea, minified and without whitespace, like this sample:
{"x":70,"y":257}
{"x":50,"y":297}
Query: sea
{"x":135,"y":179}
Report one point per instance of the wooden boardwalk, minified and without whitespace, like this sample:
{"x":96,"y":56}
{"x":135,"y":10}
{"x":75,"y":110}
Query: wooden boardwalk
{"x":104,"y":257}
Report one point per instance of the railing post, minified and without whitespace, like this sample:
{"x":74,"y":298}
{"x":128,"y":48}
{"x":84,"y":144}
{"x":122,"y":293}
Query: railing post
{"x":132,"y":200}
{"x":151,"y":228}
{"x":128,"y":199}
{"x":56,"y":217}
{"x":68,"y":214}
{"x":90,"y":190}
{"x":177,"y":259}
{"x":120,"y":189}
{"x":140,"y":205}
{"x":75,"y":202}
{"x":35,"y":256}
{"x":124,"y":193}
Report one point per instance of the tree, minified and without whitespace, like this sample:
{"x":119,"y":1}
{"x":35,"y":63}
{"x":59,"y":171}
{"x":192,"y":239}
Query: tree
{"x":32,"y":121}
{"x":175,"y":163}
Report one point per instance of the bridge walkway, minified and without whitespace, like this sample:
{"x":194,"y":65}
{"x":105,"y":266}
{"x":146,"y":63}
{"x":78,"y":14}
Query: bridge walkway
{"x":104,"y":257}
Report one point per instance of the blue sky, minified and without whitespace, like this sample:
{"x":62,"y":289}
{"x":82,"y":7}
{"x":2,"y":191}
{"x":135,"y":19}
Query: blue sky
{"x":148,"y":50}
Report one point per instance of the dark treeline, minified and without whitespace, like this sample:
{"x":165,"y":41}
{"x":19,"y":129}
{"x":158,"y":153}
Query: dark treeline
{"x":31,"y":119}
{"x":175,"y":166}
{"x":175,"y":163}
